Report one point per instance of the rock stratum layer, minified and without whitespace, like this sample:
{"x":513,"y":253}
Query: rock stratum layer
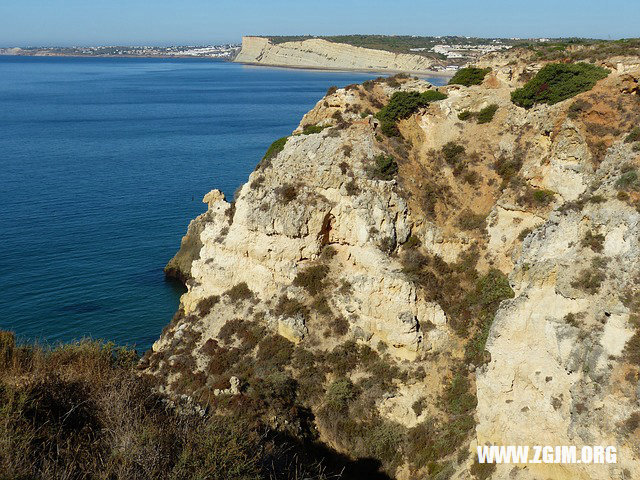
{"x":318,"y":53}
{"x":482,"y":288}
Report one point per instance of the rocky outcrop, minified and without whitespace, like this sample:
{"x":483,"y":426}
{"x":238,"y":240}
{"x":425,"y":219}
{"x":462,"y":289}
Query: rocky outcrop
{"x":322,"y":251}
{"x":557,"y":347}
{"x":318,"y":53}
{"x":289,"y":212}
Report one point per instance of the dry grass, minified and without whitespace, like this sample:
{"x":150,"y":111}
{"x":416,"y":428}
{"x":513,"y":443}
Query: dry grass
{"x":81,"y":411}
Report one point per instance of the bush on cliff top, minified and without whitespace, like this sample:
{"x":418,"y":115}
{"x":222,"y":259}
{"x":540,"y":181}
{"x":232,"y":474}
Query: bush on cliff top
{"x":310,"y":129}
{"x":557,"y":82}
{"x":402,"y":105}
{"x":469,"y":76}
{"x":274,"y":149}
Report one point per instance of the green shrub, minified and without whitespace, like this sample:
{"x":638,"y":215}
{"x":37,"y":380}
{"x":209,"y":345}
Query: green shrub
{"x":275,"y":350}
{"x":248,"y":332}
{"x":274,"y":390}
{"x":340,"y":394}
{"x":524,"y":233}
{"x":310,"y":129}
{"x":419,"y":405}
{"x":482,"y":471}
{"x":286,"y":193}
{"x":486,"y":114}
{"x":556,"y":82}
{"x":412,"y":242}
{"x":312,"y":278}
{"x":543,"y":197}
{"x":632,"y":349}
{"x":340,"y":326}
{"x":289,"y":307}
{"x":383,"y":440}
{"x":469,"y":76}
{"x":385,"y":168}
{"x":622,"y":196}
{"x":536,"y":197}
{"x":452,"y":153}
{"x":275,"y":148}
{"x":458,"y":398}
{"x":402,"y":105}
{"x":627,"y":180}
{"x":597,"y":199}
{"x":595,"y":242}
{"x":465,"y":115}
{"x":490,"y":290}
{"x":392,"y":82}
{"x":389,"y":128}
{"x":468,"y":220}
{"x":493,"y":288}
{"x":633,"y":136}
{"x":589,"y":280}
{"x":428,"y":443}
{"x":352,"y":188}
{"x":508,"y":168}
{"x":471,"y":177}
{"x":239,"y":292}
{"x":321,"y":305}
{"x":206,"y":304}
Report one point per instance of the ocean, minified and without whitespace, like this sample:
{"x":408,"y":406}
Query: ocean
{"x":103,"y":163}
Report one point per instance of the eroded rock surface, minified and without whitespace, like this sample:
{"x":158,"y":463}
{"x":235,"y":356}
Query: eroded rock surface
{"x":498,"y":265}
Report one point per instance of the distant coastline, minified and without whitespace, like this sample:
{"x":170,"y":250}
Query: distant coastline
{"x":225,"y":51}
{"x":421,"y":73}
{"x":321,"y":54}
{"x":68,"y":55}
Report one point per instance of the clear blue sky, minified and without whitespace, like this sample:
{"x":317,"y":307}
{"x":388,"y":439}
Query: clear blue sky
{"x":164,"y":22}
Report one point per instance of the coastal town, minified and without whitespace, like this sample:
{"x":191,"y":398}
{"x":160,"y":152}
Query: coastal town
{"x":224,"y":51}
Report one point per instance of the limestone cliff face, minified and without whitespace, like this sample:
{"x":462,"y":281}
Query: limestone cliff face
{"x":317,"y":236}
{"x":289,"y":212}
{"x":318,"y":53}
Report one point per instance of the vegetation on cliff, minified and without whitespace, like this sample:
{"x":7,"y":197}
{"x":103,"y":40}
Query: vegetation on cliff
{"x":469,"y":76}
{"x":402,"y":105}
{"x":579,"y":49}
{"x":409,"y":44}
{"x":485,"y":115}
{"x":290,"y":367}
{"x":82,"y":411}
{"x":557,"y":82}
{"x":274,"y":149}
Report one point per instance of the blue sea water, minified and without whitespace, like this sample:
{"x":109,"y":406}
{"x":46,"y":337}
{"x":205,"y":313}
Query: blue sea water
{"x":103,"y":163}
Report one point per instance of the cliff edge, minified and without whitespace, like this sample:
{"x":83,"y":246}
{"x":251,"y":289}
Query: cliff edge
{"x":322,"y":54}
{"x":418,"y":270}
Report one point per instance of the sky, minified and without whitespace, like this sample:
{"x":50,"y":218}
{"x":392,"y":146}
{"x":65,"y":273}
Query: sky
{"x":189,"y":22}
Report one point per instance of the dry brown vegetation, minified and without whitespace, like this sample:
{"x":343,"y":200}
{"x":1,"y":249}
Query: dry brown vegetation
{"x":82,"y":411}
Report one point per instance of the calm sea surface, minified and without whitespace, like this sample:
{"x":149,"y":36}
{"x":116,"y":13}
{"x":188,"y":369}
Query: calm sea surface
{"x":103,"y":162}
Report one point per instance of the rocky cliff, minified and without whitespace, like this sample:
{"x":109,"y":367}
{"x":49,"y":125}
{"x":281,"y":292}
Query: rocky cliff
{"x":470,"y":279}
{"x":318,"y":53}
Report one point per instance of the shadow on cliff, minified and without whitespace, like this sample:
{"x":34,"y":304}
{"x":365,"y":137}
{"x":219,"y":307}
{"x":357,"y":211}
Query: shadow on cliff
{"x":319,"y":457}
